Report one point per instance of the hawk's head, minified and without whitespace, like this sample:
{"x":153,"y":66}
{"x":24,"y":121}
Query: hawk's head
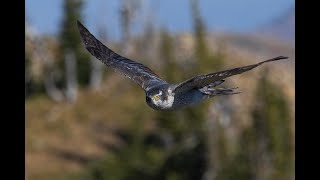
{"x":159,"y":98}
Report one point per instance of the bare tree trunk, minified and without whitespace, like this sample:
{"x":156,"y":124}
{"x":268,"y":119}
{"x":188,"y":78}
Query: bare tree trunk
{"x":213,"y":165}
{"x":27,"y":80}
{"x":128,"y":13}
{"x":49,"y":84}
{"x":216,"y":125}
{"x":71,"y":76}
{"x":96,"y":74}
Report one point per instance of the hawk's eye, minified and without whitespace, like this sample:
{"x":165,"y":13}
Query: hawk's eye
{"x":157,"y":97}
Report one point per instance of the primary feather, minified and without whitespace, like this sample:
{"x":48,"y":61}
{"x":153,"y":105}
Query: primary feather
{"x":206,"y":79}
{"x":137,"y":72}
{"x":161,"y":95}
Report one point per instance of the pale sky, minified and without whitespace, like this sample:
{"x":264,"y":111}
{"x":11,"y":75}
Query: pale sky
{"x":229,"y":15}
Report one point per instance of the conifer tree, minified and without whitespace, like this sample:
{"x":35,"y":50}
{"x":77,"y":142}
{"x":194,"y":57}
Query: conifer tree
{"x":206,"y":62}
{"x":265,"y":148}
{"x":272,"y":125}
{"x":72,"y":48}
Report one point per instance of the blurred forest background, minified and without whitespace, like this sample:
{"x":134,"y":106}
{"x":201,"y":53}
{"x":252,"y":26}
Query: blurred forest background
{"x":83,"y":121}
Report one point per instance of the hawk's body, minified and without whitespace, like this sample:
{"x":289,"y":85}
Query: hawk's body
{"x":161,"y":95}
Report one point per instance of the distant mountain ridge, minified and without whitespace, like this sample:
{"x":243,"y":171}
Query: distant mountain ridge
{"x":282,"y":27}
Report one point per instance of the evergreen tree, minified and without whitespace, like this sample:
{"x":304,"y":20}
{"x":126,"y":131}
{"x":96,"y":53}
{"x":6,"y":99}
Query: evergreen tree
{"x":70,"y":40}
{"x":265,"y":148}
{"x":172,"y":71}
{"x":206,"y":62}
{"x":211,"y":131}
{"x":272,"y":126}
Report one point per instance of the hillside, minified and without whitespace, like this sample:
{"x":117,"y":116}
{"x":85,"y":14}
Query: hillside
{"x":62,"y":138}
{"x":282,"y":27}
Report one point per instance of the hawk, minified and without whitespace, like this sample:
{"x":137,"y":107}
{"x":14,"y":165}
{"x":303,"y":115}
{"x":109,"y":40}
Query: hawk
{"x":161,"y":95}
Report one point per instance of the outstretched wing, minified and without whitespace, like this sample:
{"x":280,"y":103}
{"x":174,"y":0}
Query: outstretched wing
{"x":137,"y":72}
{"x":206,"y":79}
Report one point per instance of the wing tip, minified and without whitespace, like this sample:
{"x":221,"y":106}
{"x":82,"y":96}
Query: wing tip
{"x":85,"y":34}
{"x":280,"y":57}
{"x":274,"y":59}
{"x":80,"y":25}
{"x":81,"y":28}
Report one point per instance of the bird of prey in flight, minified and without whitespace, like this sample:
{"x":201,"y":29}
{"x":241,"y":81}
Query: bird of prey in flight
{"x":161,"y":95}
